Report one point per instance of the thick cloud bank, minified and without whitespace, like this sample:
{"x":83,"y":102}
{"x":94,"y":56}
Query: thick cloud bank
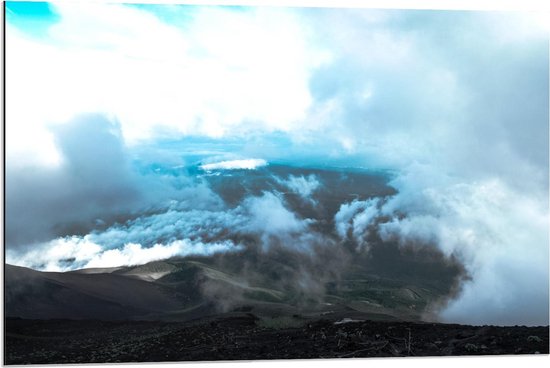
{"x":71,"y":253}
{"x":464,"y":121}
{"x":499,"y":235}
{"x":180,"y":229}
{"x":453,"y":104}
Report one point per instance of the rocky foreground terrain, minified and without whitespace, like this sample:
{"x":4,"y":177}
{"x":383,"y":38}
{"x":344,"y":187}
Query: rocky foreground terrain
{"x":243,"y":336}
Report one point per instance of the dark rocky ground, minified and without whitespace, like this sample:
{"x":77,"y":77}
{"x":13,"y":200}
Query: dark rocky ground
{"x":242,"y":336}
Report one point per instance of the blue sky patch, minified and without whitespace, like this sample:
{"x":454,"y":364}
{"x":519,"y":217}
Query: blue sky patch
{"x":33,"y":18}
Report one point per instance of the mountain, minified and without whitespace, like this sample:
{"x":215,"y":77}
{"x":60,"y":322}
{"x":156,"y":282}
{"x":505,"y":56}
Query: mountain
{"x":187,"y":288}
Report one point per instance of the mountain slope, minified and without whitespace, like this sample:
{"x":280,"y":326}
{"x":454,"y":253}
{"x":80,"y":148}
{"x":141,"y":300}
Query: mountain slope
{"x":183,"y":289}
{"x":33,"y":294}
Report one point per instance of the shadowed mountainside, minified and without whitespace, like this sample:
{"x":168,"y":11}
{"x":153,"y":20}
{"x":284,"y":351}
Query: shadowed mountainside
{"x":183,"y":289}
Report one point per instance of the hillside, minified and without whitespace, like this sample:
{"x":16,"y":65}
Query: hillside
{"x":183,"y":289}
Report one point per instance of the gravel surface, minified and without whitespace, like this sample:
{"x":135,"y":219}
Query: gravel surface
{"x":245,"y":337}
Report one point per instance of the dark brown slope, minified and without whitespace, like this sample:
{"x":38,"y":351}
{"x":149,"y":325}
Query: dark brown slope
{"x":184,"y":289}
{"x":46,"y":295}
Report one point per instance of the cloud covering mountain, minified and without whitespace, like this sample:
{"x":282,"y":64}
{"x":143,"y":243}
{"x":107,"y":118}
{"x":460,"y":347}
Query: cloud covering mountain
{"x":453,"y":104}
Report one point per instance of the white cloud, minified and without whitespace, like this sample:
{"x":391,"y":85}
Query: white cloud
{"x":499,"y":234}
{"x":70,"y":253}
{"x":269,"y":216}
{"x":304,"y":186}
{"x":185,"y":223}
{"x":134,"y":254}
{"x":276,"y":226}
{"x":246,"y":164}
{"x":180,"y":230}
{"x":222,"y":72}
{"x":354,"y":219}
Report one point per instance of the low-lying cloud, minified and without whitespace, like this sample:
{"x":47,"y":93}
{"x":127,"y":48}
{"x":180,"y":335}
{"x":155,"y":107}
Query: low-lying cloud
{"x":245,"y":164}
{"x":98,"y":182}
{"x":71,"y":253}
{"x":304,"y":186}
{"x":493,"y":230}
{"x":354,"y":219}
{"x":177,"y":230}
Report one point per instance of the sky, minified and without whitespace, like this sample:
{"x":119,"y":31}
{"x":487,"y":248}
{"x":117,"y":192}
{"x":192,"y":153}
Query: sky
{"x":104,"y":102}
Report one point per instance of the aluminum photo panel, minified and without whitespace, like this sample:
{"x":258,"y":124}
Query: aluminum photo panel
{"x":205,"y":183}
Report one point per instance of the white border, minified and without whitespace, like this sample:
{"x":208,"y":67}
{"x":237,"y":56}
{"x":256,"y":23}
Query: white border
{"x":500,"y":361}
